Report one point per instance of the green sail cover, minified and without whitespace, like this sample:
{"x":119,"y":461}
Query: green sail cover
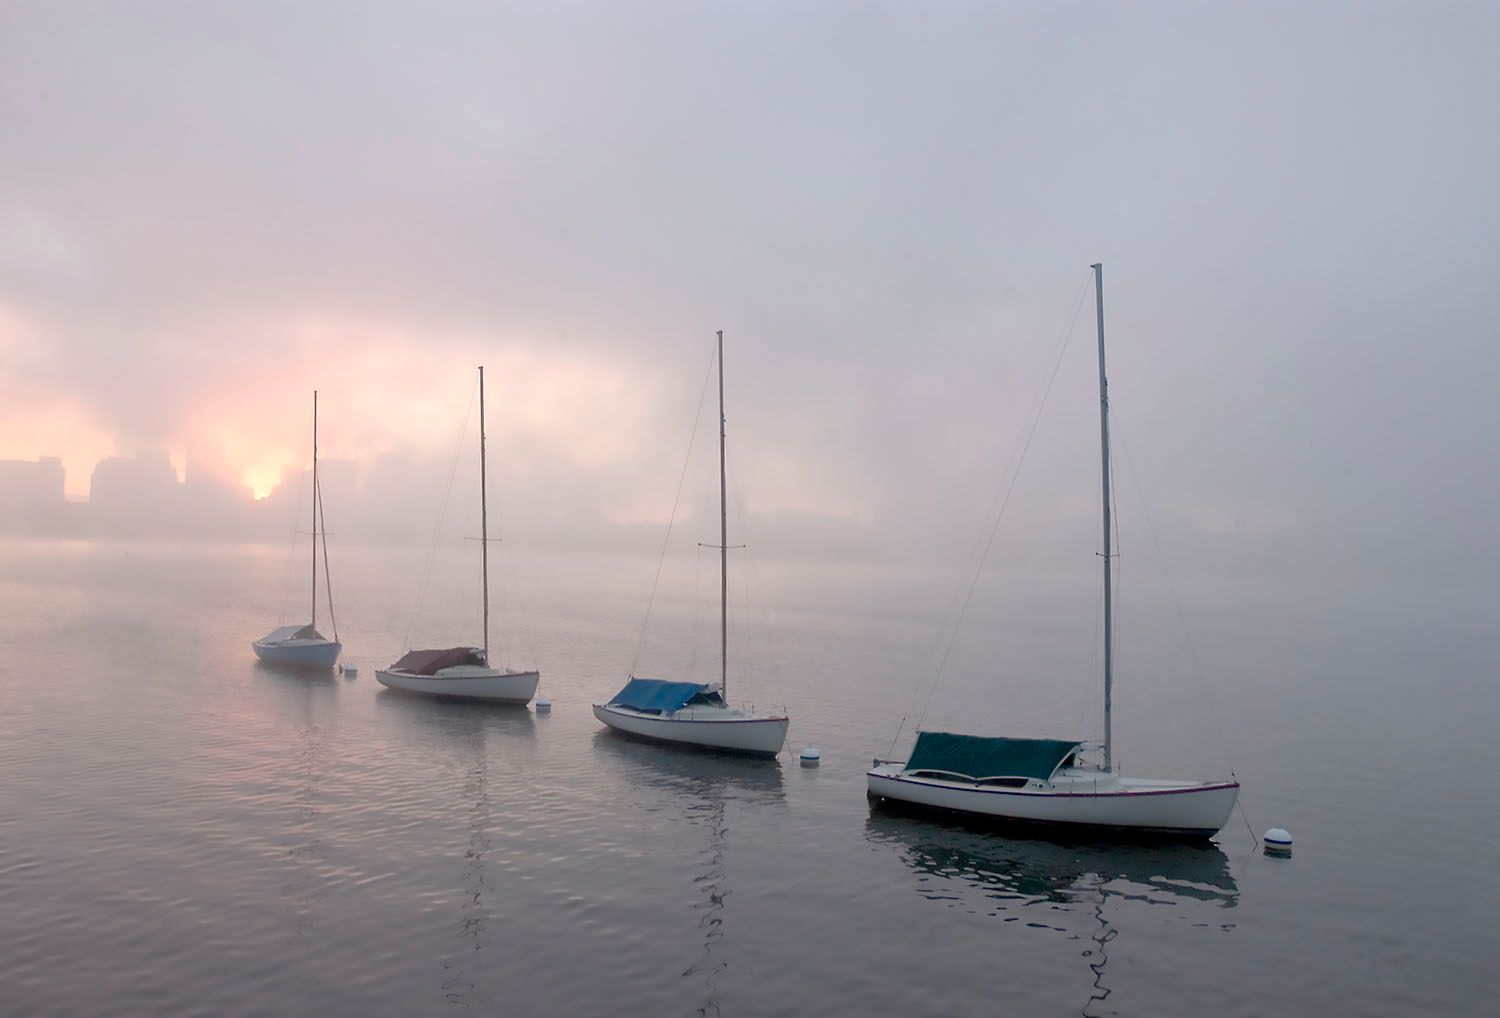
{"x":977,"y":757}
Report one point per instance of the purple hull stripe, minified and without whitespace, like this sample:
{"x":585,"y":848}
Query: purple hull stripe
{"x":1055,"y":795}
{"x":701,"y":721}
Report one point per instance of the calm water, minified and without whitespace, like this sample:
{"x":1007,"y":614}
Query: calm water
{"x":183,"y":832}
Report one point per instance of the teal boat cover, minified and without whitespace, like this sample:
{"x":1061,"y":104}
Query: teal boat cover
{"x":981,"y":758}
{"x":657,"y":696}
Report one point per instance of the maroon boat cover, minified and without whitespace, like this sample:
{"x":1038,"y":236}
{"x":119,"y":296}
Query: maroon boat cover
{"x":427,"y":662}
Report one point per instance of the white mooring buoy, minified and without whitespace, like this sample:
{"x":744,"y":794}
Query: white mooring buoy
{"x":1278,"y":842}
{"x":810,"y":757}
{"x":350,"y":671}
{"x":543,"y":705}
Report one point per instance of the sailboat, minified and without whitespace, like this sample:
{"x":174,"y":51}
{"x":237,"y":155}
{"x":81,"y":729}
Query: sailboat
{"x":1048,"y":781}
{"x":303,"y":646}
{"x":464,"y":671}
{"x":698,"y":713}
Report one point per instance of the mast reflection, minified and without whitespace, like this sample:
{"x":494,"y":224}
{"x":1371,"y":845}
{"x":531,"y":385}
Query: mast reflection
{"x":305,"y":887}
{"x":702,"y":785}
{"x":1058,"y":879}
{"x":473,"y":924}
{"x":458,"y":733}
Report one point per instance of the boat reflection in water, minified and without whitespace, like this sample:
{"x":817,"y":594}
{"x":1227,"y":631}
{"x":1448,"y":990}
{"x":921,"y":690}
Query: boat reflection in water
{"x":702,"y":785}
{"x":309,"y":876}
{"x":1096,"y":881}
{"x":452,"y":721}
{"x":307,"y":676}
{"x":456,"y":733}
{"x":693,"y":771}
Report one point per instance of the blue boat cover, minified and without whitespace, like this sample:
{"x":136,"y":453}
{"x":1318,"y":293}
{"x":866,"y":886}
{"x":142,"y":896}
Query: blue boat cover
{"x":979,"y":758}
{"x":656,"y":696}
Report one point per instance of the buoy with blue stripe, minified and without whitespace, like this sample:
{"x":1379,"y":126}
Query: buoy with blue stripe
{"x":810,"y":757}
{"x":1277,"y":842}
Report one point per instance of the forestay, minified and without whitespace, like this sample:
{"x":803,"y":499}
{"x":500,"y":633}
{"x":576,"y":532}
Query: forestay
{"x":980,"y":758}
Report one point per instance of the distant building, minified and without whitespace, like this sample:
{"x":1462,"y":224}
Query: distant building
{"x":133,"y":497}
{"x":31,"y":495}
{"x":212,"y":508}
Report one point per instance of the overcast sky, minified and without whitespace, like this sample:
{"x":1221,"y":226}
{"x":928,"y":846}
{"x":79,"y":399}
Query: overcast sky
{"x":208,"y":209}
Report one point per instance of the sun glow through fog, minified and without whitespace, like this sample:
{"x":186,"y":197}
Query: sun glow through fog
{"x":262,"y":479}
{"x":403,"y":391}
{"x":556,"y":412}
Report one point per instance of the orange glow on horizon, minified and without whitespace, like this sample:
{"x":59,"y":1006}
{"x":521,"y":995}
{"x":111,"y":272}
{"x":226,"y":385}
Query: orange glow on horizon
{"x":247,"y":417}
{"x":244,"y":418}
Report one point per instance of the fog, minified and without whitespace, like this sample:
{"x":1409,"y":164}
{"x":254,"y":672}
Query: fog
{"x":209,"y":210}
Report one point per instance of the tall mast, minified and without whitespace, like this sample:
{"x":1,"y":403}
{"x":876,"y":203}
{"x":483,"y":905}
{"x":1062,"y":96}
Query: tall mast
{"x":315,"y":513}
{"x":484,"y":533}
{"x":1109,"y":648}
{"x":723,"y":542}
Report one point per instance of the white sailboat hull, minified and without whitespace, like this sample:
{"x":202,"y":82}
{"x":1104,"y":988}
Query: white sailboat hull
{"x":311,"y":654}
{"x":722,"y":728}
{"x":1107,"y":801}
{"x":467,"y":681}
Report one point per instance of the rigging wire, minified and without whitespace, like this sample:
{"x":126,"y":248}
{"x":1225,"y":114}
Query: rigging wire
{"x":291,"y":582}
{"x":327,"y":576}
{"x":1194,"y":660}
{"x":948,"y":615}
{"x":506,"y":635}
{"x":437,"y":530}
{"x":749,"y":617}
{"x":891,"y":753}
{"x":1114,"y":638}
{"x":502,"y":640}
{"x":514,"y":642}
{"x":1083,"y":708}
{"x":1239,"y":803}
{"x":686,"y":460}
{"x":518,"y":639}
{"x":1004,"y":503}
{"x":1114,"y":633}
